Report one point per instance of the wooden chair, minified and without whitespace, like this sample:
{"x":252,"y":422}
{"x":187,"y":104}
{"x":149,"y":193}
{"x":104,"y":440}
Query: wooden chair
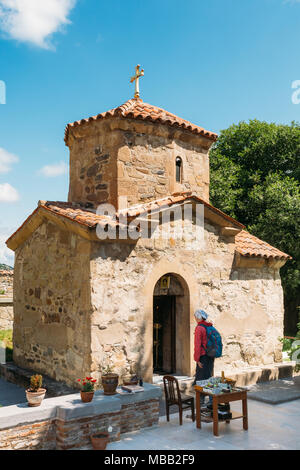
{"x":173,"y":396}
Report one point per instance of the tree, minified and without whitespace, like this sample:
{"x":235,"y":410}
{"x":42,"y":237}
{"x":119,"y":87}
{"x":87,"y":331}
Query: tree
{"x":255,"y":178}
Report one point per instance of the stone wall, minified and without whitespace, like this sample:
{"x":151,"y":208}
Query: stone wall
{"x":33,"y":436}
{"x":246,"y":305}
{"x":52,"y":304}
{"x":110,"y":160}
{"x":65,"y":423}
{"x":6,"y":303}
{"x":6,"y":314}
{"x":93,"y":167}
{"x":147,"y":165}
{"x":6,"y":283}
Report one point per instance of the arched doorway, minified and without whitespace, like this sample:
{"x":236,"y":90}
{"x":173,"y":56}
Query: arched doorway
{"x":171,"y":325}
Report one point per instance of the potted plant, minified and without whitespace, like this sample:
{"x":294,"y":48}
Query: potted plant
{"x":99,"y":440}
{"x":110,"y":381}
{"x":130,"y":380}
{"x":35,"y":394}
{"x":87,"y":391}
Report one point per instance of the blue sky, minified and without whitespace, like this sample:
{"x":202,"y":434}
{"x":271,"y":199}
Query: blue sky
{"x":212,"y":62}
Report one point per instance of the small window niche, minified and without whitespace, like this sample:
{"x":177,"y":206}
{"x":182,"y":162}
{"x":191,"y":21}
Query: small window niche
{"x":178,"y":170}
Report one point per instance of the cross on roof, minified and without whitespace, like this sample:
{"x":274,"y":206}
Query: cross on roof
{"x":138,"y":73}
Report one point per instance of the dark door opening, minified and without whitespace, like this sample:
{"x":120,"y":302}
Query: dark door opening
{"x":164,"y":333}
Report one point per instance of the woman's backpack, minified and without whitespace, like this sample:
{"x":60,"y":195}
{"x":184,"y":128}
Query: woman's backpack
{"x":214,"y":342}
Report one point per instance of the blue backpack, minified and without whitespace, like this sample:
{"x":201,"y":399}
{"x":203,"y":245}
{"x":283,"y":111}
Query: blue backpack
{"x":214,"y":342}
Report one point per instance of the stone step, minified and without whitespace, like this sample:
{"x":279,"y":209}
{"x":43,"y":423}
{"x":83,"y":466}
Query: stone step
{"x":244,"y":377}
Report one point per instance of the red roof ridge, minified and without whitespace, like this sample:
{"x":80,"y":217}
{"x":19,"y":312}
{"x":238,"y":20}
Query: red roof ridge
{"x":138,"y":109}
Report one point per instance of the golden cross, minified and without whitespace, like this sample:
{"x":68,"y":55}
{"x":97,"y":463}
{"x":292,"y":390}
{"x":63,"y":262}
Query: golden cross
{"x":138,"y":73}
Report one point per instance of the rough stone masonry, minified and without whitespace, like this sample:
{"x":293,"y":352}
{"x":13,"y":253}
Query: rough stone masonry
{"x":6,"y":299}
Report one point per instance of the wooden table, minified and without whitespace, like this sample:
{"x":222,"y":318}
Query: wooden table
{"x":222,"y":398}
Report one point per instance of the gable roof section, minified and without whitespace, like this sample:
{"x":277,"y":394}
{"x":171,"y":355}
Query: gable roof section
{"x":87,"y":220}
{"x":249,"y":245}
{"x":137,"y":109}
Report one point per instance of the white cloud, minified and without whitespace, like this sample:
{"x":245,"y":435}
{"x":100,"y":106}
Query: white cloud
{"x":8,"y":193}
{"x":6,"y":255}
{"x":51,"y":171}
{"x":6,"y":160}
{"x":34,"y":21}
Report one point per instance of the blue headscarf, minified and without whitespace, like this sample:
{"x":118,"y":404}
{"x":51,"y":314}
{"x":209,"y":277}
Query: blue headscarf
{"x":201,"y":314}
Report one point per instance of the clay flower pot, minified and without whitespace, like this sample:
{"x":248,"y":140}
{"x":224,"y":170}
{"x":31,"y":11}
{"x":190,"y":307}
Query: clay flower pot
{"x":130,"y":380}
{"x":100,"y":440}
{"x":86,"y":397}
{"x":110,"y":383}
{"x":35,"y":398}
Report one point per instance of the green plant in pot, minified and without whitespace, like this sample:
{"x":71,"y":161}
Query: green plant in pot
{"x":88,"y":389}
{"x":35,"y":393}
{"x":110,"y":381}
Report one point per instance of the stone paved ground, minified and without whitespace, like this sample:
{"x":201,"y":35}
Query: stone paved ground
{"x":277,"y":391}
{"x":271,"y":427}
{"x":10,"y":394}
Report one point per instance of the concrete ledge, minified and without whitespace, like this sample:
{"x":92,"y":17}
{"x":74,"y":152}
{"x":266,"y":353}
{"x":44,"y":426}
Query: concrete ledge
{"x":22,"y":414}
{"x":70,"y":407}
{"x":6,"y":301}
{"x":151,"y":392}
{"x":75,"y":408}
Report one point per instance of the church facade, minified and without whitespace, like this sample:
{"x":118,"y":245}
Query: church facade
{"x":118,"y":286}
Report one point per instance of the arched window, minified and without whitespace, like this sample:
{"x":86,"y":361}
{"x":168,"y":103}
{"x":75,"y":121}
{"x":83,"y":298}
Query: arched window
{"x":178,"y":170}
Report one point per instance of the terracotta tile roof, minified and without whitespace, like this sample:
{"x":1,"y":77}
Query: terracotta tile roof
{"x":249,"y":245}
{"x":79,"y":214}
{"x":246,"y":244}
{"x":137,"y":109}
{"x":135,"y":211}
{"x":4,"y":272}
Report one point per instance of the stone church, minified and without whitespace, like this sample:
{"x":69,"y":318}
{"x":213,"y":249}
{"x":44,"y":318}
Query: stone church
{"x":84,"y":301}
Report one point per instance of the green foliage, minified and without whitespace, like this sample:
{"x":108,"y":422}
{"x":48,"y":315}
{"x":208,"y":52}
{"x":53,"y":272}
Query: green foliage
{"x":107,"y":370}
{"x":286,"y":344}
{"x":292,"y":348}
{"x":255,"y":178}
{"x":6,"y":337}
{"x":2,"y":292}
{"x":5,"y":267}
{"x":88,"y":384}
{"x":35,"y":382}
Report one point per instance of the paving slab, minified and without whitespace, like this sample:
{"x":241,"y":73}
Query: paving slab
{"x":275,"y":392}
